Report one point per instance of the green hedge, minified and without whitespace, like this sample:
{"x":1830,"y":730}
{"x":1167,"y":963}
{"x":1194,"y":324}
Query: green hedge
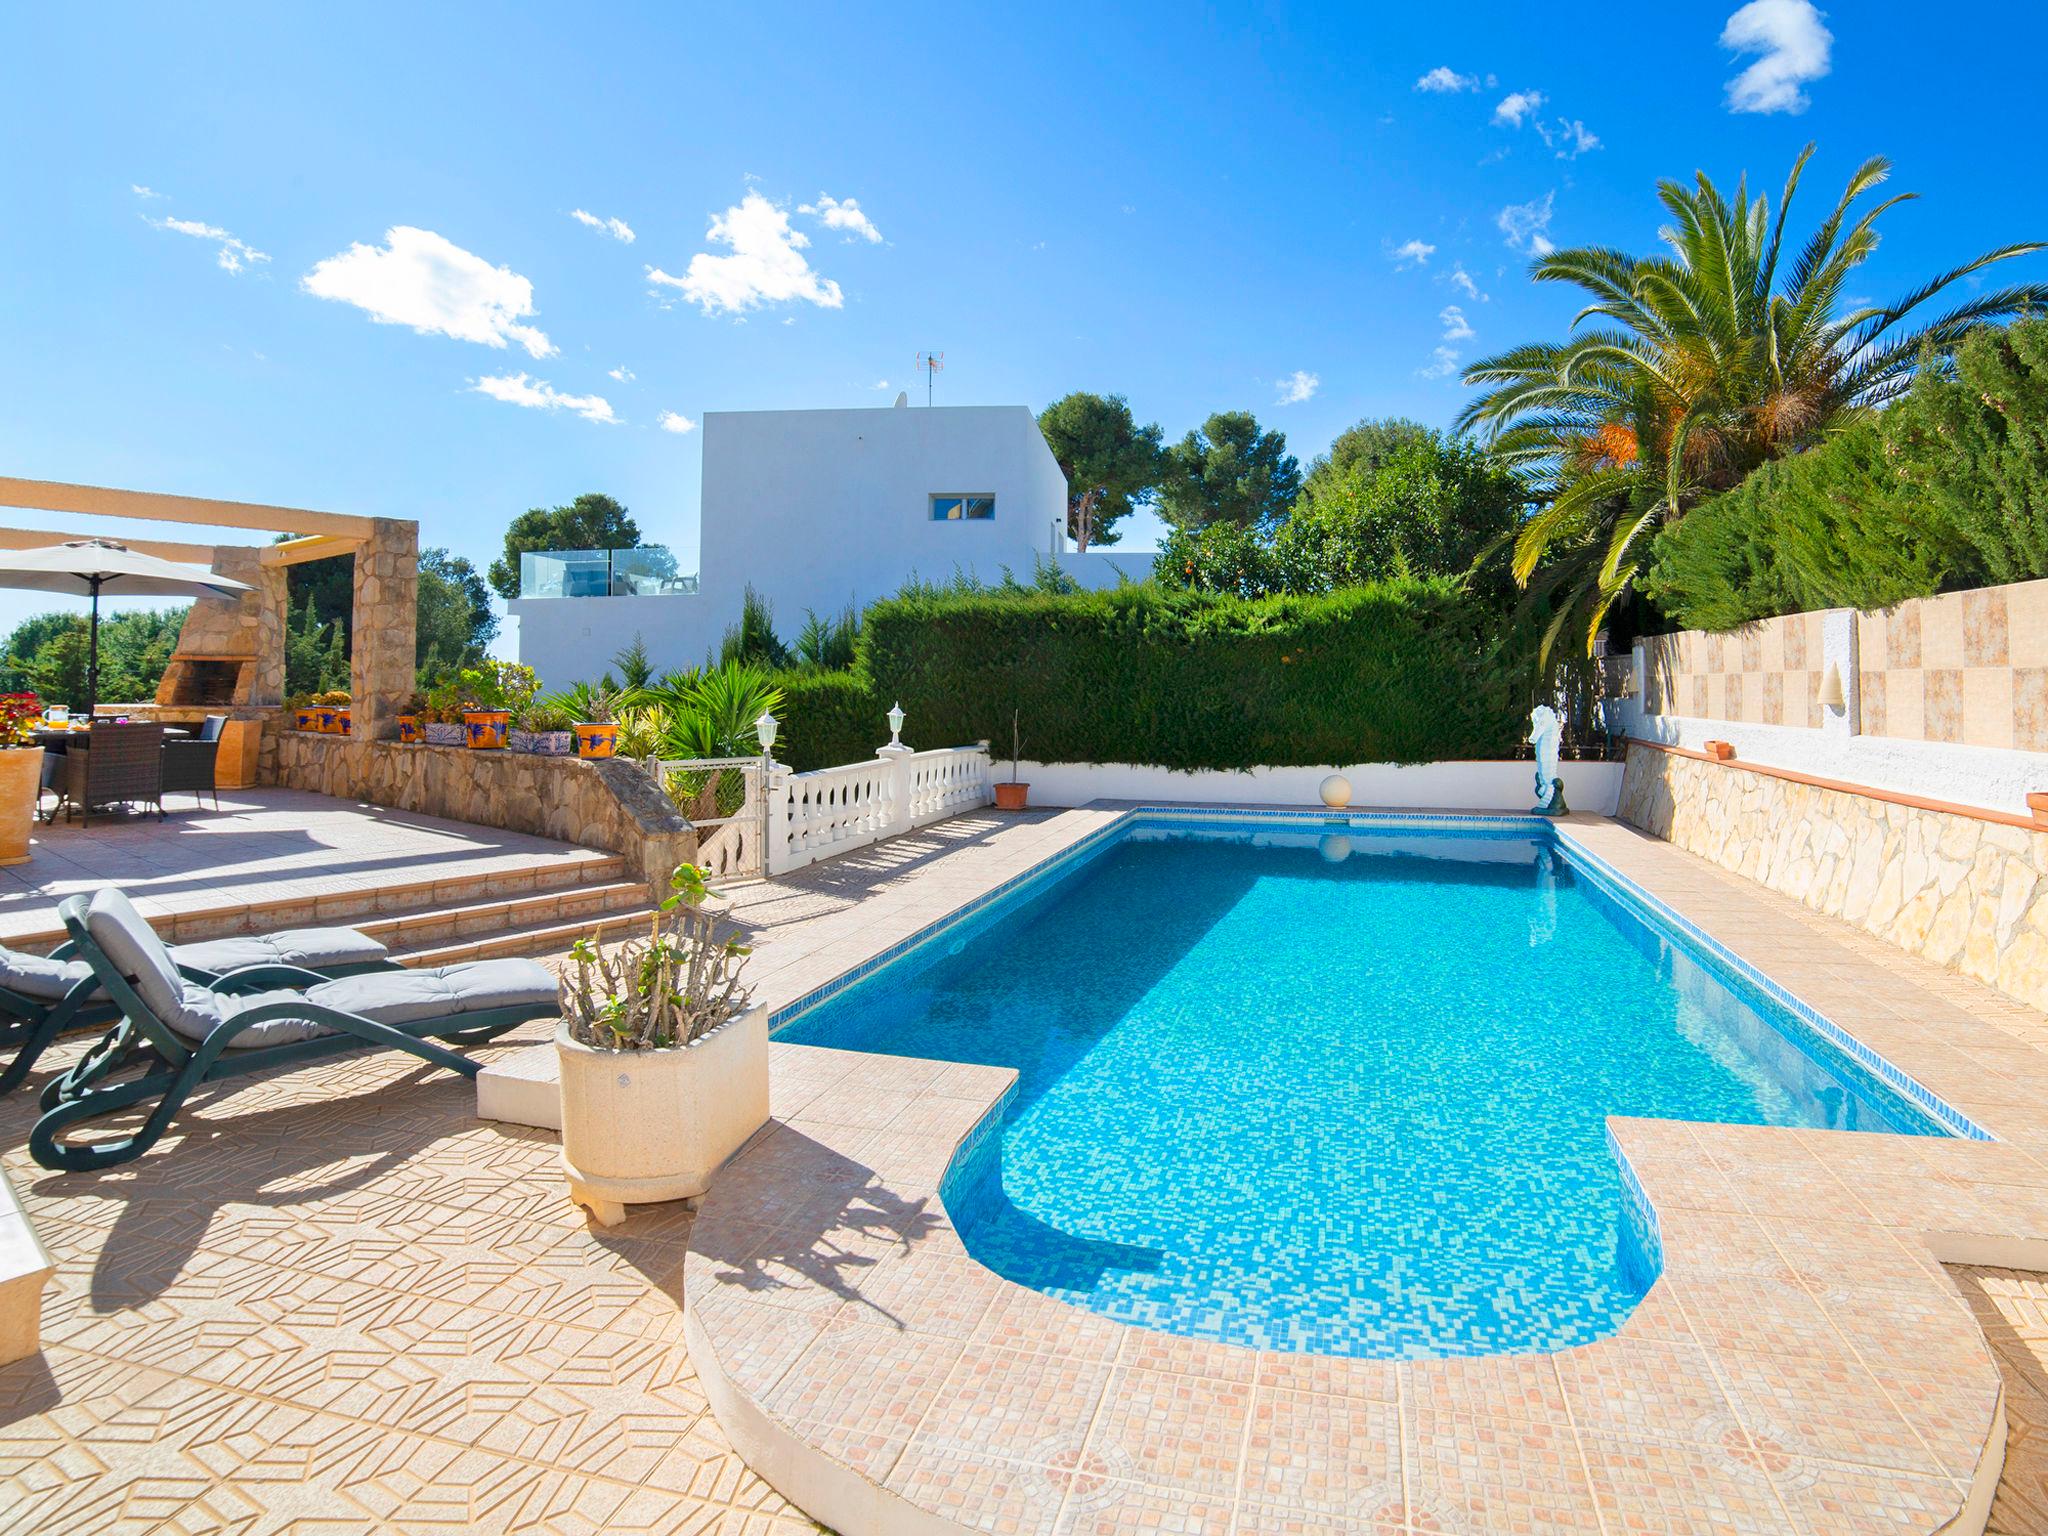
{"x":1404,"y":671}
{"x":1828,"y":528}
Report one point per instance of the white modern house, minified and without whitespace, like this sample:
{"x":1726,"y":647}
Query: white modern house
{"x":817,"y":510}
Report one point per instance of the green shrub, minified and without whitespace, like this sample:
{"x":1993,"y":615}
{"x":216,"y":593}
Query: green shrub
{"x":830,"y":718}
{"x":1972,"y":447}
{"x":1404,"y":671}
{"x":1828,"y":528}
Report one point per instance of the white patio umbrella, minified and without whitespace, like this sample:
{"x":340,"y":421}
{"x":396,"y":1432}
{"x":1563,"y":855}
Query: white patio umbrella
{"x":88,"y":567}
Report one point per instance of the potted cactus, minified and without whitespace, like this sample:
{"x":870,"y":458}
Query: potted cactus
{"x":543,"y":729}
{"x":664,"y":1057}
{"x":441,"y":718}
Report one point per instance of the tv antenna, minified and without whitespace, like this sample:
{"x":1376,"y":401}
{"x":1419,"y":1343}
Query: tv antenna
{"x":929,"y":364}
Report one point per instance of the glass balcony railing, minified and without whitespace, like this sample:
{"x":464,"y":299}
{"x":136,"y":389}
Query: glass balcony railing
{"x":649,"y":571}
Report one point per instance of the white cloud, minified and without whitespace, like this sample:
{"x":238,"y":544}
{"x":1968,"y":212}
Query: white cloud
{"x":419,"y":279}
{"x":1298,"y":386}
{"x":1569,"y":138}
{"x":1527,"y":225}
{"x":1445,"y":365}
{"x":1794,"y":46}
{"x":623,"y":374}
{"x":1415,"y":253}
{"x":618,"y":229}
{"x":676,"y":422}
{"x":232,"y":255}
{"x":143,"y":192}
{"x":846,"y":216}
{"x":1461,"y":280}
{"x":1445,"y":79}
{"x":1517,"y":106}
{"x":766,"y":266}
{"x":540,"y":395}
{"x":1455,"y":326}
{"x":881,"y":383}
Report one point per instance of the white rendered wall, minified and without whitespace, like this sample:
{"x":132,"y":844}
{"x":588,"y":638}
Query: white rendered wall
{"x":1458,"y":786}
{"x":819,"y":510}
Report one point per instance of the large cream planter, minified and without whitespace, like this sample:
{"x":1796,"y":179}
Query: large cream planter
{"x":21,"y":784}
{"x":645,"y":1126}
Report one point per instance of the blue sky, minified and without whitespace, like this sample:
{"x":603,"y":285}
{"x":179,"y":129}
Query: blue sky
{"x":1311,"y":211}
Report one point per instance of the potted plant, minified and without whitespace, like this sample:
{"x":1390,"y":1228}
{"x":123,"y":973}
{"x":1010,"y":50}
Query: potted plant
{"x":596,"y":723}
{"x":664,"y":1058}
{"x":1012,"y":796}
{"x":442,"y":724}
{"x":21,"y":773}
{"x":543,"y":729}
{"x":409,"y":713}
{"x":330,"y":710}
{"x":304,"y":716}
{"x":492,"y":694}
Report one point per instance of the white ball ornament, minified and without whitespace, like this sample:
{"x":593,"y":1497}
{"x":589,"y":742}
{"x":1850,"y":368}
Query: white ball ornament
{"x":1336,"y":791}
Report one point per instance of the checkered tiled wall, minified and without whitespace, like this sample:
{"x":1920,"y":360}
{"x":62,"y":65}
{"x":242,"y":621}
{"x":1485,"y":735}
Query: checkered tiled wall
{"x":1768,"y":672}
{"x":1968,"y":667}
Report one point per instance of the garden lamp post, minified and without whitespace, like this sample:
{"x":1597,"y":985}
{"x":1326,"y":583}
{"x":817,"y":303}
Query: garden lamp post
{"x":896,"y":725}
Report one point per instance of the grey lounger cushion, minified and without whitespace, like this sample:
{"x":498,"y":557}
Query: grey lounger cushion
{"x":312,"y":949}
{"x":38,"y":976}
{"x":315,"y":949}
{"x":389,"y":997}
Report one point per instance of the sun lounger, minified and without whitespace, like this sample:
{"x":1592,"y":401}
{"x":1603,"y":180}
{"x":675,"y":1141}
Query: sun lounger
{"x":42,"y":996}
{"x":183,"y":1033}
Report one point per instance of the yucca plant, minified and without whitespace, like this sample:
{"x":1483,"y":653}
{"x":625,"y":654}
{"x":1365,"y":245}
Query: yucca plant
{"x":1696,"y":366}
{"x":712,"y":713}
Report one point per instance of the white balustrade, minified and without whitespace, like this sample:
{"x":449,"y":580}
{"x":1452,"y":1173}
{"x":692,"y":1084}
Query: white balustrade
{"x":829,"y":811}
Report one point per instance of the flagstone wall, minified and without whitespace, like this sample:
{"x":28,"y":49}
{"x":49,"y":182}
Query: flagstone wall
{"x":611,"y":805}
{"x":1969,"y":892}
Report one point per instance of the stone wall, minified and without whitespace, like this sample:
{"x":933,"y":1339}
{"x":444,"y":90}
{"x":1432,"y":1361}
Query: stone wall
{"x":1966,"y":892}
{"x":610,"y":804}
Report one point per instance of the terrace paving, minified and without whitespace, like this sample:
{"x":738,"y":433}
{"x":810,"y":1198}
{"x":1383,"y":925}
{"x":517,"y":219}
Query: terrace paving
{"x":333,"y":1300}
{"x":290,"y":852}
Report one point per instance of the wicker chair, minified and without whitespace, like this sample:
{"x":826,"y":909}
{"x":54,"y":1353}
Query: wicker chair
{"x":115,"y":764}
{"x":189,"y":764}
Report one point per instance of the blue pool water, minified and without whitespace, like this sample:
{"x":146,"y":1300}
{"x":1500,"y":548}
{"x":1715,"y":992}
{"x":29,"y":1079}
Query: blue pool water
{"x":1335,"y":1092}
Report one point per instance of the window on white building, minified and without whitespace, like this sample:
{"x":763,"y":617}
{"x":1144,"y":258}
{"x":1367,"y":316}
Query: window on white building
{"x":953,"y":509}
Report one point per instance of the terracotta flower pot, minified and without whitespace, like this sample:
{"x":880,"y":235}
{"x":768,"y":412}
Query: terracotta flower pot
{"x":409,"y":731}
{"x":594,"y":740}
{"x":343,"y":723}
{"x":327,"y":720}
{"x":305,"y":719}
{"x":21,"y":784}
{"x":645,"y":1126}
{"x":487,"y":727}
{"x":1011,"y":797}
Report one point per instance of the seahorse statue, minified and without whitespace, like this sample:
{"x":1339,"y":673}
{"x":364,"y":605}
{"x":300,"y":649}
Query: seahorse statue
{"x":1545,"y":732}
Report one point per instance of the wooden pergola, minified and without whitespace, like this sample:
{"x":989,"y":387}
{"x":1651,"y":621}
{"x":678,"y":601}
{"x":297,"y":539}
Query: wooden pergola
{"x":382,"y":623}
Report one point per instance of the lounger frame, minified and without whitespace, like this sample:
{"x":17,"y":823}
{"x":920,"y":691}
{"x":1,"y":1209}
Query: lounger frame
{"x":174,"y":1066}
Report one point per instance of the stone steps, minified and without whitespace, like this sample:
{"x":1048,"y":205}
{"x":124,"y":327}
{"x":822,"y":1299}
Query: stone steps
{"x":624,"y":912}
{"x":420,"y":913}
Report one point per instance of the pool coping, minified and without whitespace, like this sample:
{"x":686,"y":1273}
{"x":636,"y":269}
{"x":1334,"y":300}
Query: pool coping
{"x":1801,"y":1354}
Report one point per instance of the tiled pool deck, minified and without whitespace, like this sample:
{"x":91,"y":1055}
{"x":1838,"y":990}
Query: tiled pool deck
{"x":1805,"y":1363}
{"x":332,"y":1300}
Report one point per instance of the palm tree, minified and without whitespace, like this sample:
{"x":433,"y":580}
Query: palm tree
{"x":1695,"y":367}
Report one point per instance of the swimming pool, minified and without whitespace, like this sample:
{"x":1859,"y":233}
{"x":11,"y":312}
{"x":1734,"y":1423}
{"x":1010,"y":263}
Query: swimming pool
{"x":1338,"y":1087}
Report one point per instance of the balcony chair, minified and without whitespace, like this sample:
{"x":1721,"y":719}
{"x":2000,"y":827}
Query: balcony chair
{"x":184,"y":1033}
{"x":43,"y":996}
